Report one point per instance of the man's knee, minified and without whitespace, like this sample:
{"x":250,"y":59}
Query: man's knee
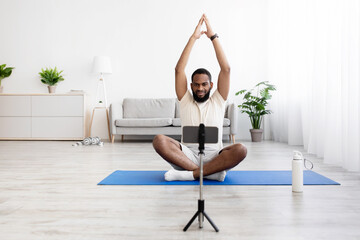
{"x":240,"y":151}
{"x":159,"y":141}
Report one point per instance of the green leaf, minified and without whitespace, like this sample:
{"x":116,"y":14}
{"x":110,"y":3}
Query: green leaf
{"x":248,"y":112}
{"x":247,"y":95}
{"x":244,"y":107}
{"x":261,"y":83}
{"x":240,"y":92}
{"x":260,"y":107}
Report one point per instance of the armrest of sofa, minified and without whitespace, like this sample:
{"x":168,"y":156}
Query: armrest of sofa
{"x":232,"y":114}
{"x":116,"y":112}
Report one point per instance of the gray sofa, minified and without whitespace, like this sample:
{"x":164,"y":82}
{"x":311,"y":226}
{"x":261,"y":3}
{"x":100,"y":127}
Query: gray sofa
{"x":141,"y":116}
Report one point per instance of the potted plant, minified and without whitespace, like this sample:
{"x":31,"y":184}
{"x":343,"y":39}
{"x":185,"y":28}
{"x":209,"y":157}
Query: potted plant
{"x":254,"y":106}
{"x":4,"y":73}
{"x":51,"y":77}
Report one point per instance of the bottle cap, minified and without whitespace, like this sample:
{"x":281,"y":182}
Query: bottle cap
{"x":297,"y":155}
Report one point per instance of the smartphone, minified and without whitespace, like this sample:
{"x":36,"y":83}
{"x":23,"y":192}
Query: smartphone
{"x":190,"y":134}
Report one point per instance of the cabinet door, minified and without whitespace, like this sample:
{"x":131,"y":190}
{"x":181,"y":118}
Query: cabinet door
{"x":58,"y":127}
{"x":15,"y":127}
{"x":58,"y":106}
{"x":13,"y":106}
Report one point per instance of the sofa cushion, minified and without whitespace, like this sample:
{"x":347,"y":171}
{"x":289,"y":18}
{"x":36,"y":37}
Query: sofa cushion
{"x":226,"y":122}
{"x":148,"y":108}
{"x":176,"y":122}
{"x":143,"y":122}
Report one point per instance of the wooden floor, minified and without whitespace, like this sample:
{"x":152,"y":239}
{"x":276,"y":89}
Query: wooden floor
{"x":48,"y":190}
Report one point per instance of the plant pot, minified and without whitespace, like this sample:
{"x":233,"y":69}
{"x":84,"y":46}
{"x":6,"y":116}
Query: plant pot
{"x":1,"y":89}
{"x":52,"y":89}
{"x":256,"y":135}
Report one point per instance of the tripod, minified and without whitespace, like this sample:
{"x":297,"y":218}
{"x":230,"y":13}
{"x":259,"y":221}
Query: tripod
{"x":201,"y":202}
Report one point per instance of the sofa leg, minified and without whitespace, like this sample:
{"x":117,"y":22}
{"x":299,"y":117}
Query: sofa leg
{"x":233,"y":138}
{"x":122,"y":138}
{"x":112,"y":138}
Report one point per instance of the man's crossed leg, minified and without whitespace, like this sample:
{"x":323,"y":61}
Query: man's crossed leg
{"x":186,"y":168}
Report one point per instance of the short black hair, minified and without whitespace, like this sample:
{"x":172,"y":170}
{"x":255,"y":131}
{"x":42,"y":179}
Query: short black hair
{"x":200,"y":71}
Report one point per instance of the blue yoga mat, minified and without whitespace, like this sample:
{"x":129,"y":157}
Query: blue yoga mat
{"x":232,"y":178}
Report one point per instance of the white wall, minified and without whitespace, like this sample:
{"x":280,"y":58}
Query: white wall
{"x":143,"y":38}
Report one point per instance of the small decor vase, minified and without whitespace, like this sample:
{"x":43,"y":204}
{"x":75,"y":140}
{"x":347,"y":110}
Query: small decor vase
{"x":52,"y":89}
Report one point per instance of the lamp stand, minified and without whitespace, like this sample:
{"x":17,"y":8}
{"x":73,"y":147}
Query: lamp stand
{"x":101,"y":103}
{"x":101,"y":99}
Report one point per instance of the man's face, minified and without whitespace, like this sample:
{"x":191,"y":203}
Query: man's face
{"x":201,"y":87}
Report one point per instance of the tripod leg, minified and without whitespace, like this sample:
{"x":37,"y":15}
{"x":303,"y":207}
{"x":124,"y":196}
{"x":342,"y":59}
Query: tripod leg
{"x":211,"y":222}
{"x":201,"y":206}
{"x":201,"y":220}
{"x":191,"y":221}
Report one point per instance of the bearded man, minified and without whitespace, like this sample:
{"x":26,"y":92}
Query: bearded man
{"x":199,"y":107}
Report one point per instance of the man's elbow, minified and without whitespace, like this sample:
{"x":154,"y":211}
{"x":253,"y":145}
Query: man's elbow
{"x":226,"y":69}
{"x":179,"y":70}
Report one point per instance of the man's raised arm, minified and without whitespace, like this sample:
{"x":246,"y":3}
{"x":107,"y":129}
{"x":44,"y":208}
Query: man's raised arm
{"x":224,"y":75}
{"x":180,"y":77}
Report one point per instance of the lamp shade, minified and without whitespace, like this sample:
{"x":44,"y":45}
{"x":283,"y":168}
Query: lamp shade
{"x":102,"y":64}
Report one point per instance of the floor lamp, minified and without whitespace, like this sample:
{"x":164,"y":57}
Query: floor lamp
{"x":101,"y":65}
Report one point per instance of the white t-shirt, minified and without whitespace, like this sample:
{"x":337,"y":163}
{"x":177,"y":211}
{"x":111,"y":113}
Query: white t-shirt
{"x":210,"y":113}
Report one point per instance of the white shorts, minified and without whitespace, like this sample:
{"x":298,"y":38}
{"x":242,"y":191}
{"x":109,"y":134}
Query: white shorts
{"x":193,"y":155}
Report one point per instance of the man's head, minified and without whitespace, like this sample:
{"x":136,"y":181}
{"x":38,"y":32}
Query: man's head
{"x":201,"y":84}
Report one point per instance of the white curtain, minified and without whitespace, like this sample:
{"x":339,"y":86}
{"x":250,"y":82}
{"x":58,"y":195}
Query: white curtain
{"x":314,"y":60}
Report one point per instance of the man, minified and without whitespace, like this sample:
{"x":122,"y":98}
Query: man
{"x":200,"y":108}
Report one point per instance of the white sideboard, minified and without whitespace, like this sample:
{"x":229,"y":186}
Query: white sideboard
{"x":42,"y":116}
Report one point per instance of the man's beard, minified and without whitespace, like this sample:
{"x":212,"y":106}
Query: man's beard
{"x":203,"y":99}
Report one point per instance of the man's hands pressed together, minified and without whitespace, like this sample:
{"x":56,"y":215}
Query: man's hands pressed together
{"x":209,"y":32}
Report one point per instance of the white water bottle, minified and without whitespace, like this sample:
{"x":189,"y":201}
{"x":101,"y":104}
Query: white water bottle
{"x":297,"y":172}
